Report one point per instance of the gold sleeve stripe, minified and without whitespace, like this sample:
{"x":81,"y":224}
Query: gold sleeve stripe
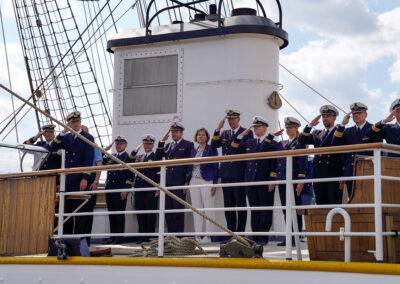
{"x":28,"y":142}
{"x":235,"y":145}
{"x":301,"y":175}
{"x":267,"y":140}
{"x":215,"y":137}
{"x":57,"y":141}
{"x":305,"y":134}
{"x":132,"y":156}
{"x":87,"y":173}
{"x":272,"y":174}
{"x":129,"y":182}
{"x":338,"y":134}
{"x":375,"y":129}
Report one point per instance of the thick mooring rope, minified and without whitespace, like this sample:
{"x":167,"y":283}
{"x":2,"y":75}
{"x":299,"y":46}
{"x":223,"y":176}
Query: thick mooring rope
{"x":173,"y":246}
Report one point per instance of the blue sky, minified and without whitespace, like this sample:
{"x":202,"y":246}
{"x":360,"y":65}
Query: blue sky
{"x":346,"y":49}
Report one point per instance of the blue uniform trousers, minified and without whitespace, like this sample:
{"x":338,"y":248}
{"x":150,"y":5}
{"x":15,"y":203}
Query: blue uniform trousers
{"x":145,"y":200}
{"x":235,"y":197}
{"x":175,"y":221}
{"x":261,"y":220}
{"x":297,"y":201}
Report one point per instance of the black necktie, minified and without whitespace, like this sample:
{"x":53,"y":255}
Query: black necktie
{"x":258,"y":141}
{"x":233,"y":133}
{"x":358,"y":130}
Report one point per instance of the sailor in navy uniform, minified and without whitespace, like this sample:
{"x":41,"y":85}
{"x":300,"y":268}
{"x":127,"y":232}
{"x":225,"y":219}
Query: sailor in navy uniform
{"x":53,"y":161}
{"x":390,"y":132}
{"x":232,"y":172}
{"x":326,"y":165}
{"x":146,"y":200}
{"x":259,"y":170}
{"x":179,"y":148}
{"x":292,"y":125}
{"x":356,"y":134}
{"x":77,"y":154}
{"x":118,"y":179}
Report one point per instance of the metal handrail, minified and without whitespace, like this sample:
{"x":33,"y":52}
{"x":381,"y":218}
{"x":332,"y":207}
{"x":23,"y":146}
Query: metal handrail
{"x":240,"y":157}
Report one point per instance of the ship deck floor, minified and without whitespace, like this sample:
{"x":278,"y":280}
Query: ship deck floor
{"x":271,"y":251}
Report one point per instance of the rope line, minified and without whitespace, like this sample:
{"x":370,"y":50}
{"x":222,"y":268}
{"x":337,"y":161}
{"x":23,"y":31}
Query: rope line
{"x":133,"y":170}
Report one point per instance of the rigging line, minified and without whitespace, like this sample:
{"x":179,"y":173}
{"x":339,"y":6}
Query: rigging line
{"x":60,"y":25}
{"x":19,"y":22}
{"x":106,"y":64}
{"x":311,"y":88}
{"x":18,"y":121}
{"x":58,"y":88}
{"x":169,"y":11}
{"x":139,"y":11}
{"x":180,"y":14}
{"x":294,"y":109}
{"x":174,"y":10}
{"x":158,"y":16}
{"x":39,"y":26}
{"x":112,"y":16}
{"x":71,"y":47}
{"x":95,"y":70}
{"x":108,"y":57}
{"x":81,"y":51}
{"x":134,"y":171}
{"x":86,"y":98}
{"x":8,"y":73}
{"x":84,"y":51}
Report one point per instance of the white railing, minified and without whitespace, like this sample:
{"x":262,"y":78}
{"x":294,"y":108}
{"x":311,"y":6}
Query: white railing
{"x":290,"y":207}
{"x":346,"y":234}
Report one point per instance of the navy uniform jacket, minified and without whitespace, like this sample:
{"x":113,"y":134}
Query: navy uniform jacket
{"x":389,"y":132}
{"x":229,"y":147}
{"x":77,"y":154}
{"x":151,"y":173}
{"x":350,"y":136}
{"x":208,"y":171}
{"x":327,"y":165}
{"x":299,"y":163}
{"x":258,"y":170}
{"x":118,"y":179}
{"x":53,"y":161}
{"x":176,"y":175}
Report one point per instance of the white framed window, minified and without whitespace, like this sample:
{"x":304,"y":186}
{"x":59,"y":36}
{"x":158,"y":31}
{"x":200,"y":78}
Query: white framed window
{"x":150,"y":86}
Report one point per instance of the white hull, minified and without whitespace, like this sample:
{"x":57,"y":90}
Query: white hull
{"x":129,"y":270}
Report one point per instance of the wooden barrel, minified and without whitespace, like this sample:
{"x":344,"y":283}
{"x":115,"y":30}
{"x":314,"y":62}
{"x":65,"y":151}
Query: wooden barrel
{"x":26,"y":214}
{"x":362,"y":219}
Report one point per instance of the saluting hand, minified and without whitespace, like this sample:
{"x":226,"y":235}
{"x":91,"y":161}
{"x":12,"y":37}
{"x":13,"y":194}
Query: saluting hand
{"x":221,"y":124}
{"x":245,"y":132}
{"x":40,"y":133}
{"x":109,"y":146}
{"x":346,"y":118}
{"x":391,"y":116}
{"x":279,"y":132}
{"x":138,"y":147}
{"x":166,"y":135}
{"x":315,"y":121}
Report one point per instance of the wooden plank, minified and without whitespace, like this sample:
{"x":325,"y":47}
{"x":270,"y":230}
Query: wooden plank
{"x":27,"y":215}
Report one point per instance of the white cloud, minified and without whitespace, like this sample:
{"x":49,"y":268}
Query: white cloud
{"x":330,"y":17}
{"x":350,"y":40}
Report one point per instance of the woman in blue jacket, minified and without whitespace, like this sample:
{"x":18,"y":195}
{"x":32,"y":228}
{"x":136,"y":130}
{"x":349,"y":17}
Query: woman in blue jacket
{"x":207,"y":175}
